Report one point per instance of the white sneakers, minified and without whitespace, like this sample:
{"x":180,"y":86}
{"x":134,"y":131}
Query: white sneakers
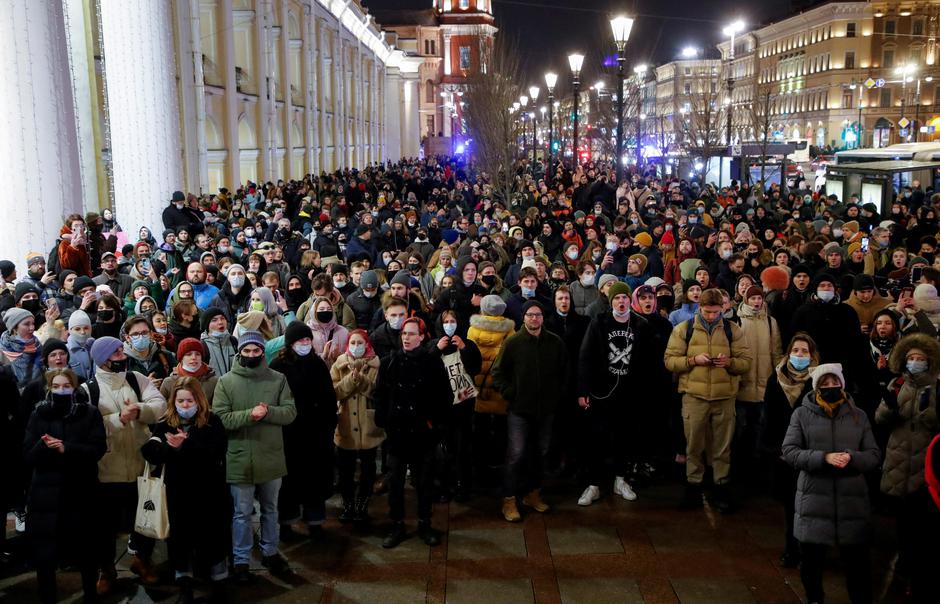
{"x":622,"y":488}
{"x":20,"y":521}
{"x":589,"y":496}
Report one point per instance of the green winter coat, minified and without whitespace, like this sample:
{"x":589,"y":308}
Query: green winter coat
{"x":255,"y":449}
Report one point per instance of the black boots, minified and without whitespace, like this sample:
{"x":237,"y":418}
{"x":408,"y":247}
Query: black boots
{"x":349,"y":512}
{"x":429,"y":535}
{"x":395,"y":536}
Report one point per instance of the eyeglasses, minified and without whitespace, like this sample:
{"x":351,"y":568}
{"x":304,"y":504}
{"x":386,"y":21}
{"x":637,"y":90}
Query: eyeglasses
{"x":533,"y":315}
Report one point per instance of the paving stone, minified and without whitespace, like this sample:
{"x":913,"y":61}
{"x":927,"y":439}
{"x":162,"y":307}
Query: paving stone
{"x":584,"y":540}
{"x":490,"y":591}
{"x":712,"y":591}
{"x":475,"y":544}
{"x":386,"y":592}
{"x":599,"y":591}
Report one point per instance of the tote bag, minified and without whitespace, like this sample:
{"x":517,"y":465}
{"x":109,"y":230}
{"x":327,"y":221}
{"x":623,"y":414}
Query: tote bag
{"x":152,"y":519}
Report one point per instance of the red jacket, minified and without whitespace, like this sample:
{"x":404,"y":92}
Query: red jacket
{"x":75,"y":258}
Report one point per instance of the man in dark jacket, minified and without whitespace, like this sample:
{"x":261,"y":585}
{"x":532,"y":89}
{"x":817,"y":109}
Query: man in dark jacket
{"x":412,"y":400}
{"x":365,"y":301}
{"x":178,"y":214}
{"x":611,"y":369}
{"x":530,"y":372}
{"x":785,"y":305}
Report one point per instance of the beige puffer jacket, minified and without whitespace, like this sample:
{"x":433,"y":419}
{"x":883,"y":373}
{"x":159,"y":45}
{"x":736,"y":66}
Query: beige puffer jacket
{"x":763,"y":340}
{"x":705,"y":381}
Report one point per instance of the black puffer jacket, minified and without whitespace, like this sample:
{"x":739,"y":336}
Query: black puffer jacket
{"x":62,"y":495}
{"x":832,"y":505}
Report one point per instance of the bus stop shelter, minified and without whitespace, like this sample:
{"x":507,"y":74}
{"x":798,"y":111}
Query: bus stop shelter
{"x":878,"y":182}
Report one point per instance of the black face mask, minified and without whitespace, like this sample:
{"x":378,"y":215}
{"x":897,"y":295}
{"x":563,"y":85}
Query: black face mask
{"x":830,"y":395}
{"x":296,"y":295}
{"x":106,"y":315}
{"x":324,"y":316}
{"x":30,"y":305}
{"x":489,"y":280}
{"x":665,"y":302}
{"x":250,"y":362}
{"x":118,"y":366}
{"x":61,"y":403}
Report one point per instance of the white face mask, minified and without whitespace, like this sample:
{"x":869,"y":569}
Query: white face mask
{"x":573,"y":254}
{"x":396,"y":322}
{"x":825,"y":295}
{"x":357,"y":350}
{"x":587,"y":279}
{"x":302,"y":350}
{"x":192,"y":366}
{"x":236,"y":281}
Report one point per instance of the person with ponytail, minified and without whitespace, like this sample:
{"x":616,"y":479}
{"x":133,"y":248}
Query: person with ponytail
{"x":357,"y":438}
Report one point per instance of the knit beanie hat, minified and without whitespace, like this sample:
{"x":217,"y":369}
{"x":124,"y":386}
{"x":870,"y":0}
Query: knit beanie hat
{"x":190,"y":345}
{"x":642,"y":260}
{"x":802,"y":269}
{"x":402,"y":277}
{"x":250,"y":337}
{"x":15,"y":316}
{"x":644,"y":239}
{"x":295,"y":332}
{"x":605,"y":279}
{"x":50,"y":346}
{"x":206,"y":316}
{"x":103,"y":348}
{"x":530,"y":304}
{"x":851,"y":225}
{"x":23,"y":288}
{"x":753,"y":291}
{"x":863,"y":282}
{"x":825,"y":369}
{"x":687,"y":283}
{"x":667,"y":239}
{"x":492,"y":305}
{"x":369,"y":280}
{"x":654,"y":282}
{"x":82,"y":282}
{"x":79,"y":318}
{"x":616,"y":289}
{"x":775,"y":278}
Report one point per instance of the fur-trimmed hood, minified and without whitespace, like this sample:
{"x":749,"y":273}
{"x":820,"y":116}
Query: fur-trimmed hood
{"x":930,"y":346}
{"x":497,"y":324}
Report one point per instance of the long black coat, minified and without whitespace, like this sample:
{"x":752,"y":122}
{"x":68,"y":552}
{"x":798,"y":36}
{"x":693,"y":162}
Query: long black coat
{"x":832,"y":504}
{"x":308,"y":440}
{"x":62,"y":495}
{"x":196,"y":491}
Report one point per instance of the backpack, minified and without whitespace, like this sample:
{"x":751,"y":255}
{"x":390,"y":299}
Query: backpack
{"x":94,"y":390}
{"x":52,"y":262}
{"x":690,"y":327}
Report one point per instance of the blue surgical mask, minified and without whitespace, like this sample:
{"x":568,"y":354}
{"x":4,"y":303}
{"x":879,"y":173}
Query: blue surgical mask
{"x":915,"y":367}
{"x":187,"y":413}
{"x":825,"y":295}
{"x":450,"y":329}
{"x":357,"y":350}
{"x":799,"y":363}
{"x":396,"y":322}
{"x":528,"y":293}
{"x":140,"y":342}
{"x":218,"y":334}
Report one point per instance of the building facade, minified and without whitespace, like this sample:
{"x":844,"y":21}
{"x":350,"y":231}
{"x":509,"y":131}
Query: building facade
{"x":120,"y":102}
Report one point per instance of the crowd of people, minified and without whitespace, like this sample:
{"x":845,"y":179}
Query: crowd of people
{"x":276,"y":343}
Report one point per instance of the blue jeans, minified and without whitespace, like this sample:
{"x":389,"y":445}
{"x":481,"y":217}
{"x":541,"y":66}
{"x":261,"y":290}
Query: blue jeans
{"x":527,"y":445}
{"x":243,"y":496}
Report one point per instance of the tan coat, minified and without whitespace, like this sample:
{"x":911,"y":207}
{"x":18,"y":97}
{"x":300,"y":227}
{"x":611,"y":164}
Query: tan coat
{"x":866,"y":312}
{"x":763,"y":340}
{"x":355,"y":425}
{"x":489,"y":333}
{"x":704,"y":381}
{"x":207,"y":382}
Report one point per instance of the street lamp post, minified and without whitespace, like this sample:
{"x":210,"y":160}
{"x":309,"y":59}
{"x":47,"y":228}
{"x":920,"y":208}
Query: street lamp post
{"x":534,"y":94}
{"x":731,"y":30}
{"x":640,"y":71}
{"x":524,"y":102}
{"x":905,"y":72}
{"x":621,"y":27}
{"x":551,"y":79}
{"x":575,"y":62}
{"x":543,"y":109}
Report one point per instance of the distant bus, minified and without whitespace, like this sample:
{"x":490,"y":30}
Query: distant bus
{"x":801,"y":153}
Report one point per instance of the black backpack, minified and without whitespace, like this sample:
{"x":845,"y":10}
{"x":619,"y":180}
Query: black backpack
{"x":52,"y":262}
{"x":94,"y":390}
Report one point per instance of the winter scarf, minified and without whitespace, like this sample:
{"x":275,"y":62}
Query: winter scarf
{"x":24,"y":357}
{"x":792,"y":381}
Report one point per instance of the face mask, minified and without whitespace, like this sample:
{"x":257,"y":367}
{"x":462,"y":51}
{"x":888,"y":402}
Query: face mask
{"x":884,"y":244}
{"x":693,"y":219}
{"x":324,"y":316}
{"x":836,"y":232}
{"x":587,"y":280}
{"x":488,"y":280}
{"x":621,"y":315}
{"x":369,"y":293}
{"x":30,"y":305}
{"x":250,"y":362}
{"x":915,"y":367}
{"x":339,"y":283}
{"x":64,"y":392}
{"x":414,"y":268}
{"x":160,"y":330}
{"x":528,"y":293}
{"x":799,"y":363}
{"x":450,"y":329}
{"x":357,"y":350}
{"x":302,"y":350}
{"x":257,"y":305}
{"x":80,"y":338}
{"x":179,"y":206}
{"x":236,"y":281}
{"x":664,"y":302}
{"x":830,"y":395}
{"x":726,"y":254}
{"x":118,"y":366}
{"x":825,"y":295}
{"x":612,"y":247}
{"x":223,"y":249}
{"x":249,"y":232}
{"x":396,"y":323}
{"x":61,"y":401}
{"x":573,"y":254}
{"x":187,"y":412}
{"x":141,"y":342}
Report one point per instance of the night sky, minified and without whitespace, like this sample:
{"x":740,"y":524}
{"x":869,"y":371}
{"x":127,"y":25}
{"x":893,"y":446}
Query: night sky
{"x":548,"y":30}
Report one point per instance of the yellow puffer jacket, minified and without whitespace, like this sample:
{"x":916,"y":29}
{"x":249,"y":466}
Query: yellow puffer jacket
{"x":763,"y":340}
{"x":705,"y":381}
{"x":489,"y":333}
